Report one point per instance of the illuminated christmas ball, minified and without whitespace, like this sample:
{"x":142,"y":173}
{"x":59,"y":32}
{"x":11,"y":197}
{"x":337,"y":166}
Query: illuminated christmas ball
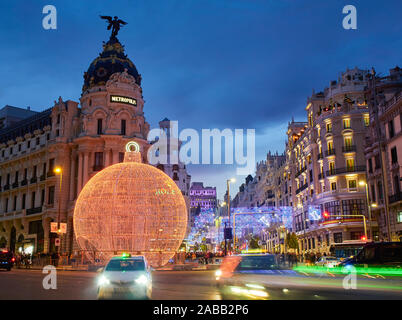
{"x":130,"y":207}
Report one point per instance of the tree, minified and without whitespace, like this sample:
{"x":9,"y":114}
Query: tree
{"x":292,"y":241}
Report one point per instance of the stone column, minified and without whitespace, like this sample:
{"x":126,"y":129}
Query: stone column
{"x":85,"y":175}
{"x":115,"y":156}
{"x":107,"y":158}
{"x":72,"y":175}
{"x":46,"y":231}
{"x":80,"y":159}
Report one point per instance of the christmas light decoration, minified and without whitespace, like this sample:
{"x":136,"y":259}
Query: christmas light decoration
{"x":130,"y":207}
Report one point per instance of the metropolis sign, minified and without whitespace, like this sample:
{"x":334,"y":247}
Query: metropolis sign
{"x":122,"y":99}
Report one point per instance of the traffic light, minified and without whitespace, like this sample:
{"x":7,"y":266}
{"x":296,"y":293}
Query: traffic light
{"x":363,"y":238}
{"x":325,"y":214}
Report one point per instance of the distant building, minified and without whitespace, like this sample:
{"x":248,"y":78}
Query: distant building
{"x":204,"y":197}
{"x":10,"y":115}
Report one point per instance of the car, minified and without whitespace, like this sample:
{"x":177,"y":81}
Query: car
{"x":125,"y":277}
{"x":6,"y":259}
{"x":377,"y":254}
{"x":327,"y":261}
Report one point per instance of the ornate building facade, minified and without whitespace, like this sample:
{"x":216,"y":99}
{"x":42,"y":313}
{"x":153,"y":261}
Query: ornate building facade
{"x":79,"y":138}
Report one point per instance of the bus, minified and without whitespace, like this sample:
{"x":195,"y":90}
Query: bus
{"x":347,"y":249}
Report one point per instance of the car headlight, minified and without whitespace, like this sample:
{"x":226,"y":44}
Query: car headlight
{"x":142,"y":280}
{"x":218,"y":273}
{"x":103,"y":281}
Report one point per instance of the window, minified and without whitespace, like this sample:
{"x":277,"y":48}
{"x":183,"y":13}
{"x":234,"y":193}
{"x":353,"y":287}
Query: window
{"x":338,"y":237}
{"x":50,"y":199}
{"x":25,"y":173}
{"x":377,"y":161}
{"x":6,"y":205}
{"x":353,"y":206}
{"x":370,"y":164}
{"x":332,"y":167}
{"x":34,"y":172}
{"x":379,"y":187}
{"x":33,"y":195}
{"x":123,"y":127}
{"x":15,"y":203}
{"x":327,"y":239}
{"x":58,"y":119}
{"x":346,"y":123}
{"x":42,"y":197}
{"x":348,"y":142}
{"x":98,"y":159}
{"x":19,"y":147}
{"x":394,"y":155}
{"x":399,"y":217}
{"x":37,"y":141}
{"x":397,"y":188}
{"x":121,"y":156}
{"x":51,"y":165}
{"x":373,"y":197}
{"x":355,"y":235}
{"x":29,"y":144}
{"x":330,"y":146}
{"x":391,"y":130}
{"x":333,"y":208}
{"x":352,"y":184}
{"x":24,"y":196}
{"x":11,"y":150}
{"x":333,"y":186}
{"x":350,"y":164}
{"x":329,"y":127}
{"x":99,"y":126}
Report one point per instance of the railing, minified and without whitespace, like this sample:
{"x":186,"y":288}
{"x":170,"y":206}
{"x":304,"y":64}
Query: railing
{"x":348,"y":148}
{"x":329,"y":152}
{"x":42,"y":177}
{"x":50,"y":174}
{"x":15,"y":185}
{"x":6,"y":187}
{"x":24,"y":182}
{"x":34,"y":210}
{"x":34,"y":179}
{"x":346,"y":170}
{"x":395,"y":197}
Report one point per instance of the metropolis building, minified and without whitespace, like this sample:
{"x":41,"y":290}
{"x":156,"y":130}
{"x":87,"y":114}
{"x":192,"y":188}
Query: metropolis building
{"x":81,"y":138}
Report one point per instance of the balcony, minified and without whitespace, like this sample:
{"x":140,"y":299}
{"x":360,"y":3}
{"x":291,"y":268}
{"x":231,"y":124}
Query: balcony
{"x":349,"y":149}
{"x":34,"y":180}
{"x":303,"y":187}
{"x":42,"y":177}
{"x":320,"y":156}
{"x":97,"y":167}
{"x":24,"y":182}
{"x":50,"y":174}
{"x":329,"y":152}
{"x":34,"y":210}
{"x":346,"y":170}
{"x":15,"y":185}
{"x":395,"y":197}
{"x":6,"y":187}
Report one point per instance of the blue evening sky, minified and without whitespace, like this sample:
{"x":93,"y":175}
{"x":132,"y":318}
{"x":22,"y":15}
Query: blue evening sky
{"x":206,"y":63}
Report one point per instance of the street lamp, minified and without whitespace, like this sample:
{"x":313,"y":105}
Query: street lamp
{"x":374,"y":205}
{"x":59,"y":171}
{"x":228,"y":204}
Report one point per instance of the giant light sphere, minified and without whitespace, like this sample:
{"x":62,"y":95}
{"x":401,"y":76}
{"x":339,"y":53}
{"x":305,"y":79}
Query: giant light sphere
{"x":130,"y":207}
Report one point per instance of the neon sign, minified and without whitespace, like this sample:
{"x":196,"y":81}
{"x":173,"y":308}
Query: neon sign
{"x":122,"y":99}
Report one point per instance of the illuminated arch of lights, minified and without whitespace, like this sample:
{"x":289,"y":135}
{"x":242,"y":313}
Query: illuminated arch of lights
{"x":130,"y":207}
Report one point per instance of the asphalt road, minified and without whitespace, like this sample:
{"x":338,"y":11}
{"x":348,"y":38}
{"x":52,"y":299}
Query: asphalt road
{"x":188,"y":285}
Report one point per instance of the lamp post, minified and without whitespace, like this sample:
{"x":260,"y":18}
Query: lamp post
{"x":59,"y":171}
{"x":363,"y":183}
{"x":228,"y":199}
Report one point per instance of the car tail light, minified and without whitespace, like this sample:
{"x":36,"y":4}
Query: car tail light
{"x":13,"y":259}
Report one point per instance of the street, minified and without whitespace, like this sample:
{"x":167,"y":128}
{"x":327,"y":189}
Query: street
{"x":190,"y":285}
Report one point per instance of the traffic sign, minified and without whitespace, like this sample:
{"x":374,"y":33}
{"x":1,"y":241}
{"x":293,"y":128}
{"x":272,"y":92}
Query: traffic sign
{"x":57,"y":242}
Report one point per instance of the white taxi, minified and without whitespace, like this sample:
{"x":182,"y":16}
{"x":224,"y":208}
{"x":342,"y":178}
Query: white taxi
{"x":125,"y":277}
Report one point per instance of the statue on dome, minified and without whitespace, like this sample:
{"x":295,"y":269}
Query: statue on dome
{"x":114,"y":24}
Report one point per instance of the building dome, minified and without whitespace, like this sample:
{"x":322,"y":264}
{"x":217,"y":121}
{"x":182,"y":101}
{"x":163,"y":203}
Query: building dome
{"x":111,"y":60}
{"x":130,"y":207}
